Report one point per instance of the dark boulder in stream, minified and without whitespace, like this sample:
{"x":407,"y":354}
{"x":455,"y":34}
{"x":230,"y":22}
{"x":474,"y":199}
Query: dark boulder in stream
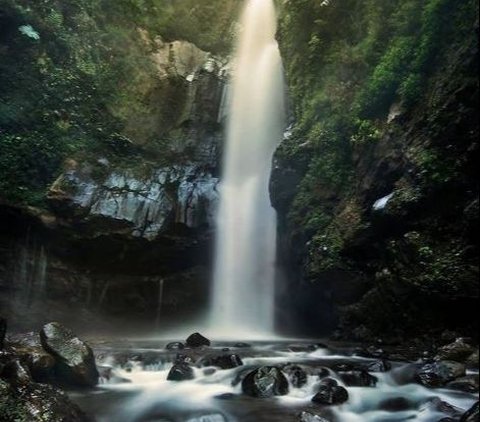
{"x":296,"y":375}
{"x":310,"y":417}
{"x":459,"y":351}
{"x":181,"y":372}
{"x":330,"y":393}
{"x":197,"y":340}
{"x":265,"y":382}
{"x":225,"y":361}
{"x":473,"y":415}
{"x":33,"y":402}
{"x":74,"y":360}
{"x":438,"y":374}
{"x":358,"y":379}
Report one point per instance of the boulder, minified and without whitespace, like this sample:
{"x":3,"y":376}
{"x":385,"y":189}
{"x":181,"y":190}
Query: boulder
{"x":181,"y":372}
{"x":296,"y":375}
{"x":438,"y":374}
{"x":265,"y":382}
{"x":211,"y":417}
{"x":459,"y":351}
{"x":37,"y":403}
{"x":467,"y":384}
{"x":330,"y":393}
{"x":436,"y":405}
{"x":302,"y":348}
{"x":310,"y":417}
{"x":380,"y":365}
{"x":473,"y":415}
{"x":225,"y":361}
{"x":473,"y":360}
{"x":28,"y":348}
{"x":74,"y":360}
{"x":16,"y":372}
{"x":197,"y":340}
{"x":358,"y":379}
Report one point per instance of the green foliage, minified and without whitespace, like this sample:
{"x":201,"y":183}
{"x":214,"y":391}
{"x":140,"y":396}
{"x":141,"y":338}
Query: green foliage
{"x":347,"y":62}
{"x":27,"y":165}
{"x":86,"y":75}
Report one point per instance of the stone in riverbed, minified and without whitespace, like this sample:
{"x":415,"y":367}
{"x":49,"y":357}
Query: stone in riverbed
{"x":379,"y":366}
{"x":330,"y":393}
{"x":438,"y":374}
{"x":467,"y":384}
{"x":265,"y":382}
{"x":74,"y":360}
{"x":358,"y":379}
{"x":459,"y":351}
{"x":296,"y":375}
{"x":310,"y":417}
{"x":473,"y":415}
{"x":197,"y":340}
{"x":16,"y":372}
{"x":302,"y":348}
{"x":437,"y":405}
{"x":181,"y":372}
{"x":28,"y":348}
{"x":225,"y":361}
{"x":37,"y":403}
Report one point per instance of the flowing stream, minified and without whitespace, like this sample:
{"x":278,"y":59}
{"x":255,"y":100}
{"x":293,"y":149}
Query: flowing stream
{"x":246,"y":241}
{"x":134,"y":386}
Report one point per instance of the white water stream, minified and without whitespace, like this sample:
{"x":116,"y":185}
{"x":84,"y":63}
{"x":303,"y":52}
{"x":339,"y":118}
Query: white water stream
{"x":137,"y":389}
{"x":246,"y":240}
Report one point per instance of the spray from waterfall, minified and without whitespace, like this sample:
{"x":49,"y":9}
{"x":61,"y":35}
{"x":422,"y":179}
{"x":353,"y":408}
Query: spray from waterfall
{"x":243,"y":291}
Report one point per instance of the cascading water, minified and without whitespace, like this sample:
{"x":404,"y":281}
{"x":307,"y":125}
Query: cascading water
{"x":246,"y":239}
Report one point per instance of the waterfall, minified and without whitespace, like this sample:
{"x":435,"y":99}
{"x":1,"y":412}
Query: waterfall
{"x":243,"y":293}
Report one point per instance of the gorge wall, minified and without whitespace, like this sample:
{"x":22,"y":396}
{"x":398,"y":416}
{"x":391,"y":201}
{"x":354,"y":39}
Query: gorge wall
{"x":110,"y":133}
{"x":375,"y":181}
{"x":111,"y":129}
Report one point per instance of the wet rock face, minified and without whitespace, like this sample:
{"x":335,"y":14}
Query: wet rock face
{"x":296,"y":375}
{"x":137,"y":206}
{"x":330,"y":393}
{"x":181,"y":372}
{"x":74,"y":360}
{"x":473,"y":415}
{"x":438,"y":374}
{"x":310,"y":417}
{"x":37,"y":403}
{"x":197,"y":340}
{"x":265,"y":382}
{"x":358,"y":379}
{"x":438,"y":405}
{"x":459,"y":351}
{"x":467,"y":384}
{"x":225,"y":361}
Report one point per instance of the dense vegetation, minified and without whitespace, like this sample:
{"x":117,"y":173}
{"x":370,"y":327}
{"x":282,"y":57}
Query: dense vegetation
{"x":73,"y":72}
{"x":373,"y":85}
